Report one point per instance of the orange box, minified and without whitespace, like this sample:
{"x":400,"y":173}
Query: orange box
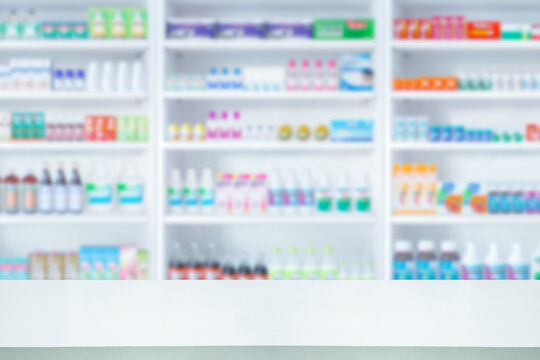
{"x":479,"y":204}
{"x":453,"y":203}
{"x":483,"y":30}
{"x":424,"y":83}
{"x":450,"y":83}
{"x":398,"y":84}
{"x":401,"y":29}
{"x":411,"y":84}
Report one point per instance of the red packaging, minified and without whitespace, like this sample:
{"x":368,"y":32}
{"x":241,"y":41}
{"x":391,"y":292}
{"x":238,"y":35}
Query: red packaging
{"x":531,"y":133}
{"x":426,"y":29}
{"x":483,"y":30}
{"x":100,"y":128}
{"x":401,"y":29}
{"x":110,"y":130}
{"x":89,"y":128}
{"x":535,"y":31}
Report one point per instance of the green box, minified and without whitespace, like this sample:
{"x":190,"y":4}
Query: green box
{"x":49,"y":30}
{"x":137,"y":23}
{"x":28,"y":126}
{"x":516,"y":32}
{"x":116,"y":23}
{"x":343,"y":29}
{"x":39,"y":126}
{"x":79,"y":30}
{"x":97,"y":23}
{"x":64,"y":30}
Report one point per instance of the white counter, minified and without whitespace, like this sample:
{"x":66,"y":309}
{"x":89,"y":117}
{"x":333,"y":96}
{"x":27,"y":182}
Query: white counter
{"x":278,"y":313}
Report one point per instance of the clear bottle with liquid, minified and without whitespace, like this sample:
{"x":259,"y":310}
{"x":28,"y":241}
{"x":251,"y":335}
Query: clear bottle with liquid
{"x":11,"y":193}
{"x":293,"y":269}
{"x":329,"y":269}
{"x":207,"y":192}
{"x":45,"y":191}
{"x":76,"y":192}
{"x":60,"y":191}
{"x":191,"y":199}
{"x":30,"y":193}
{"x":175,"y":192}
{"x":311,"y":269}
{"x":276,"y":265}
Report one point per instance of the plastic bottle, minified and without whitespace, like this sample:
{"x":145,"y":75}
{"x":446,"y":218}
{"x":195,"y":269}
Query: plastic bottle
{"x":449,"y":261}
{"x":228,"y":269}
{"x":495,"y":268}
{"x":290,"y":201}
{"x":355,"y":272}
{"x":471,"y":266}
{"x":236,"y":128}
{"x":293,"y":269}
{"x":31,"y":27}
{"x":240,"y":194}
{"x":237,"y":80}
{"x":426,"y":261}
{"x":332,"y":76}
{"x":212,"y":128}
{"x":175,"y":192}
{"x":212,"y":79}
{"x":190,"y":192}
{"x":223,"y":201}
{"x":323,"y":194}
{"x":329,"y":270}
{"x":196,"y":262}
{"x":224,"y":128}
{"x":368,"y":273}
{"x":30,"y":193}
{"x":276,"y":266}
{"x":225,"y":79}
{"x":137,"y":82}
{"x":11,"y":193}
{"x":362,"y":195}
{"x":245,"y":272}
{"x":99,"y":190}
{"x":343,"y":194}
{"x":311,"y":268}
{"x":206,"y":192}
{"x":319,"y":76}
{"x":535,"y":267}
{"x":260,"y":270}
{"x":403,"y":263}
{"x":306,"y":194}
{"x":130,"y":190}
{"x":518,"y":266}
{"x":258,"y":194}
{"x":122,"y":81}
{"x":76,"y":193}
{"x":518,"y":199}
{"x":275,"y":193}
{"x":107,"y":77}
{"x":177,"y":265}
{"x":11,"y":30}
{"x":212,"y":266}
{"x":45,"y":191}
{"x":60,"y":191}
{"x":305,"y":76}
{"x":292,"y":76}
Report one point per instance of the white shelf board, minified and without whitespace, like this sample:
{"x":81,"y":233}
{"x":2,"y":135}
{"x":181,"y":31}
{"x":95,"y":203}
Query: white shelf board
{"x":268,"y":219}
{"x":266,"y":146}
{"x":466,"y":219}
{"x":284,"y":95}
{"x":465,"y":95}
{"x":68,"y":219}
{"x":72,"y":146}
{"x":466,"y":146}
{"x":71,"y":96}
{"x":109,"y":46}
{"x":269,"y":45}
{"x":464,"y":45}
{"x":283,"y":313}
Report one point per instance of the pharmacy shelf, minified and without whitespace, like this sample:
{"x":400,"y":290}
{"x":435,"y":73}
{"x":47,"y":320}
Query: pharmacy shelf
{"x":465,"y":95}
{"x":268,"y":146}
{"x":83,"y":219}
{"x":469,"y":46}
{"x":267,"y":219}
{"x":108,"y":46}
{"x":465,"y":220}
{"x":269,"y":96}
{"x":283,"y":313}
{"x":20,"y":146}
{"x":465,"y":146}
{"x":72,"y":96}
{"x":269,"y":45}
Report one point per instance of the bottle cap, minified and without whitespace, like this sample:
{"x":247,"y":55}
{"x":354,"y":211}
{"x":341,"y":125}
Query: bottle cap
{"x":426,"y":246}
{"x":403,"y":246}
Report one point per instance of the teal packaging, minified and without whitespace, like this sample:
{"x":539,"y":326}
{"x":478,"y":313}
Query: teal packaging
{"x":351,"y":130}
{"x":17,"y":126}
{"x":112,"y":263}
{"x":28,"y":126}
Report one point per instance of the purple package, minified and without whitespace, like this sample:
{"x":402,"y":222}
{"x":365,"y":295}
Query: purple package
{"x":191,"y":28}
{"x":240,"y":29}
{"x":288,"y":29}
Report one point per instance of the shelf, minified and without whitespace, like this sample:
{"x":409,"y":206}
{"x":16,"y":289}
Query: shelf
{"x":73,"y":146}
{"x":82,"y":219}
{"x":109,"y":46}
{"x":267,"y":146}
{"x":297,"y":314}
{"x":465,"y":219}
{"x":466,"y":146}
{"x":267,"y":219}
{"x":464,"y":95}
{"x":72,"y":96}
{"x":464,"y":45}
{"x":270,"y":45}
{"x":285,"y":95}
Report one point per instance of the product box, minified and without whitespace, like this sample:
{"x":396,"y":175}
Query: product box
{"x":483,"y":30}
{"x":233,"y":29}
{"x":49,"y":30}
{"x":341,"y":29}
{"x":143,"y":265}
{"x":474,"y":199}
{"x":515,"y":32}
{"x":449,"y":198}
{"x":97,"y":23}
{"x":191,"y":28}
{"x":351,"y":130}
{"x":112,"y":262}
{"x":137,"y":23}
{"x":535,"y":31}
{"x":356,"y":73}
{"x":142,"y":128}
{"x":289,"y":29}
{"x":79,"y":30}
{"x":116,"y":23}
{"x":128,"y":263}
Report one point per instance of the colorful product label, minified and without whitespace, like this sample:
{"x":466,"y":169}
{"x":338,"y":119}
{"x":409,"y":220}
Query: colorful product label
{"x":99,"y":194}
{"x":174,"y":196}
{"x":324,"y":200}
{"x":426,"y":269}
{"x":472,"y":272}
{"x":306,"y":198}
{"x":130,"y":194}
{"x":291,"y":198}
{"x":403,"y":270}
{"x":190,"y":196}
{"x":275,"y":198}
{"x":344,"y":200}
{"x":206,"y":196}
{"x":518,"y":272}
{"x":449,"y":270}
{"x":495,"y":272}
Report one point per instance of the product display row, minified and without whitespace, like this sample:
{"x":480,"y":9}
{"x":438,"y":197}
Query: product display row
{"x":238,"y":128}
{"x":418,"y":191}
{"x":41,"y":75}
{"x":103,"y":23}
{"x":31,"y":195}
{"x":90,"y":263}
{"x":317,"y":29}
{"x":426,"y":264}
{"x":418,"y":129}
{"x":260,"y":193}
{"x":352,"y":72}
{"x":43,"y":126}
{"x":460,"y":28}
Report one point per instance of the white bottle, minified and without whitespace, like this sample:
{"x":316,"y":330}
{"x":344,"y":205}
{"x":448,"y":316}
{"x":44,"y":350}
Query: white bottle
{"x":60,"y":191}
{"x":137,"y":77}
{"x":292,"y":76}
{"x":362,"y":195}
{"x":191,"y":199}
{"x":471,"y":266}
{"x":293,"y":269}
{"x":99,"y":190}
{"x":174,"y":192}
{"x":223,"y":202}
{"x":329,"y":270}
{"x":275,"y":193}
{"x":291,"y":193}
{"x":319,"y":76}
{"x":306,"y":193}
{"x":332,"y":76}
{"x":344,"y":197}
{"x":305,"y":76}
{"x":368,"y":273}
{"x":323,"y":194}
{"x":76,"y":192}
{"x":107,"y":77}
{"x":240,"y":194}
{"x":11,"y":31}
{"x":311,"y":268}
{"x":276,"y":265}
{"x":518,"y":266}
{"x":93,"y":82}
{"x":206,"y":192}
{"x":495,"y":268}
{"x":212,"y":128}
{"x":122,"y":79}
{"x":130,"y":190}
